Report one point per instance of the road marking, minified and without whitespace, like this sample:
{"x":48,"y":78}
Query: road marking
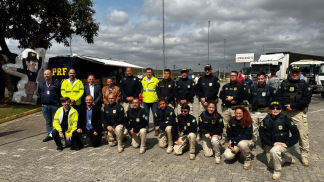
{"x":21,"y":149}
{"x":16,"y":155}
{"x":3,"y":153}
{"x":316,"y":111}
{"x":48,"y":167}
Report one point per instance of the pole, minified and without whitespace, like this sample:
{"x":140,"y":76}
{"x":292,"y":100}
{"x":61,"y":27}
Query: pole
{"x":263,"y":48}
{"x":70,"y":45}
{"x":224,"y":55}
{"x":208,"y":40}
{"x":163,"y":37}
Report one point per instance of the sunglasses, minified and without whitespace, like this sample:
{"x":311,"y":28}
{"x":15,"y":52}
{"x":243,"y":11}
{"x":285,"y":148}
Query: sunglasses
{"x":184,"y":111}
{"x":275,"y":108}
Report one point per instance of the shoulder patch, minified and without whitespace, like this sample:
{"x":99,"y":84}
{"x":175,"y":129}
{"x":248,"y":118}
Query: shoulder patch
{"x":176,"y":119}
{"x":126,"y":114}
{"x":249,"y":90}
{"x":292,"y":123}
{"x":200,"y":119}
{"x":220,"y":120}
{"x":309,"y":88}
{"x":228,"y":126}
{"x":143,"y":116}
{"x":171,"y":113}
{"x":155,"y":114}
{"x":279,"y":87}
{"x":274,"y":91}
{"x":261,"y":123}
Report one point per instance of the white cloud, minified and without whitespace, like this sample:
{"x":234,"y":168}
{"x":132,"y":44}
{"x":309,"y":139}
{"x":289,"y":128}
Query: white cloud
{"x":118,"y":17}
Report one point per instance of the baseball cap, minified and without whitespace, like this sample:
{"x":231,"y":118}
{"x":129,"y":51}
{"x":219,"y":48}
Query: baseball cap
{"x":275,"y":103}
{"x":208,"y":66}
{"x":184,"y":70}
{"x":295,"y":68}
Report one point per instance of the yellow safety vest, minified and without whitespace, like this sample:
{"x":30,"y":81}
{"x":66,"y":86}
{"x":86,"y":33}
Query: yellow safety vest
{"x":149,"y":90}
{"x":74,"y":92}
{"x":72,"y":120}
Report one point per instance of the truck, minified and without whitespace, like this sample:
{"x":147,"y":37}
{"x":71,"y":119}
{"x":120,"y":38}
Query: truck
{"x":309,"y":69}
{"x":278,"y":62}
{"x":320,"y":80}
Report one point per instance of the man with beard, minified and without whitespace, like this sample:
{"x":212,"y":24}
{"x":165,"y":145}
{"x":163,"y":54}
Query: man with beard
{"x":73,"y":88}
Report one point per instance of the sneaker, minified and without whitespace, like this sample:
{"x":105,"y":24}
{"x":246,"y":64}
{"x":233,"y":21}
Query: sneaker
{"x":48,"y":138}
{"x":247,"y":164}
{"x":142,"y":151}
{"x":120,"y":149}
{"x":59,"y":148}
{"x":169,"y":150}
{"x":192,"y":156}
{"x":217,"y":160}
{"x":276,"y":175}
{"x":304,"y":161}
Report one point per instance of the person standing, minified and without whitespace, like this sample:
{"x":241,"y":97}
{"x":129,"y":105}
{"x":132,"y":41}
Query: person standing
{"x":295,"y":95}
{"x":166,"y":88}
{"x":232,"y":95}
{"x":130,"y":88}
{"x":113,"y":117}
{"x":197,"y":78}
{"x":239,"y":134}
{"x":274,"y":132}
{"x":94,"y":90}
{"x":135,"y":122}
{"x":184,"y":91}
{"x":65,"y":123}
{"x":150,"y":98}
{"x":89,"y":123}
{"x":164,"y":120}
{"x":240,"y":78}
{"x":73,"y":88}
{"x":110,"y":89}
{"x":273,"y":81}
{"x":248,"y":83}
{"x":49,"y":91}
{"x":188,"y":129}
{"x":211,"y":126}
{"x":260,"y":97}
{"x":207,"y":88}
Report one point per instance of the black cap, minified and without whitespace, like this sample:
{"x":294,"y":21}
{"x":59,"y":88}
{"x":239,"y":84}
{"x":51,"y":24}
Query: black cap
{"x":208,"y":66}
{"x":295,"y":68}
{"x":275,"y":103}
{"x":32,"y":56}
{"x":184,"y":70}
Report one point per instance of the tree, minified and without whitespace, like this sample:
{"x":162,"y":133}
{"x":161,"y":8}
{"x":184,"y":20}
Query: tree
{"x":37,"y":23}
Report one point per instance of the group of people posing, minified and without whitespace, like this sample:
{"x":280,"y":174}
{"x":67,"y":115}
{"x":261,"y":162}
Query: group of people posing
{"x":276,"y":118}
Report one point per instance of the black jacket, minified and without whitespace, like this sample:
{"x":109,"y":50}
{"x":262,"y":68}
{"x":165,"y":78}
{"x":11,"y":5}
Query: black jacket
{"x":164,"y":118}
{"x":187,"y":125}
{"x":185,"y":90}
{"x":235,"y":132}
{"x":97,"y":94}
{"x":208,"y":125}
{"x":136,"y":119}
{"x":236,"y":90}
{"x":113,"y":115}
{"x":95,"y":118}
{"x":130,"y":86}
{"x":166,"y":89}
{"x":208,"y":87}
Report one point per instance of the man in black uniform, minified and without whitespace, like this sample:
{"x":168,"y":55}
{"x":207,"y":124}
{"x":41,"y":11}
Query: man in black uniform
{"x":165,"y":88}
{"x":113,"y":120}
{"x":260,"y":97}
{"x":274,"y":133}
{"x":164,"y":119}
{"x":188,"y":128}
{"x":130,"y":88}
{"x":207,"y":88}
{"x":185,"y":91}
{"x":232,"y":94}
{"x":294,"y":96}
{"x":136,"y":121}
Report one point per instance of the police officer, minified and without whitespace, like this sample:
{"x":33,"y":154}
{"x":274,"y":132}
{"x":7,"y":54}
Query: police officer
{"x":211,"y":126}
{"x":130,"y":88}
{"x":232,"y":94}
{"x":164,"y":120}
{"x":185,"y":91}
{"x":135,"y":122}
{"x":188,"y":128}
{"x":113,"y":120}
{"x":260,"y":97}
{"x":207,"y":88}
{"x":274,"y":133}
{"x":165,"y":88}
{"x":295,"y":95}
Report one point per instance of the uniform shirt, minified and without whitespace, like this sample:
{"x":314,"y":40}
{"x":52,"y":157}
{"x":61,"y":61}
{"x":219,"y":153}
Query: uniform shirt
{"x":136,"y":119}
{"x":236,"y":90}
{"x":207,"y":124}
{"x":208,"y":87}
{"x":187,"y":124}
{"x":130,"y":86}
{"x":233,"y":134}
{"x":113,"y":115}
{"x":267,"y":134}
{"x":262,"y":93}
{"x":185,"y":90}
{"x":166,"y":89}
{"x":164,"y":118}
{"x":306,"y":96}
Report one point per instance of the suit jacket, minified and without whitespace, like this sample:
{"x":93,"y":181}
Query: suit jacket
{"x":95,"y":118}
{"x":97,"y":94}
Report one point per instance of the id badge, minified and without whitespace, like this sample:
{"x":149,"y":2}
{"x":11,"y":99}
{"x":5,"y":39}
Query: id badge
{"x":48,"y":92}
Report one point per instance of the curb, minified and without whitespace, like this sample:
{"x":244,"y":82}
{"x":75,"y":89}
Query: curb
{"x":20,"y":115}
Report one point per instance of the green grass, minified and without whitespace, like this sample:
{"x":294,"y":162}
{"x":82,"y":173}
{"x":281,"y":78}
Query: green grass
{"x":14,"y":108}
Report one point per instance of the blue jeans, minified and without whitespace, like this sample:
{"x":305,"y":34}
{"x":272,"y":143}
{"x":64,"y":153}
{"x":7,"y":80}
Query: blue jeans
{"x":57,"y":139}
{"x":147,"y":107}
{"x":48,"y":113}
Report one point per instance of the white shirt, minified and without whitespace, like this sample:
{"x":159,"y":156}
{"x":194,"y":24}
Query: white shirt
{"x":91,"y":87}
{"x":71,"y":82}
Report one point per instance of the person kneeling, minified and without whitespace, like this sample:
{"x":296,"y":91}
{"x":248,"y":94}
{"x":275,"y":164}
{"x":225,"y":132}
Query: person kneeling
{"x":239,"y":133}
{"x":135,"y":123}
{"x":64,"y":123}
{"x":89,"y":123}
{"x":188,"y":128}
{"x":113,"y":119}
{"x":274,"y":133}
{"x":164,"y":119}
{"x":211,"y":127}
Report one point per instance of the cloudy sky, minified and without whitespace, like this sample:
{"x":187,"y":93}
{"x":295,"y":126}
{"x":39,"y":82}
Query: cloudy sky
{"x":131,"y":30}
